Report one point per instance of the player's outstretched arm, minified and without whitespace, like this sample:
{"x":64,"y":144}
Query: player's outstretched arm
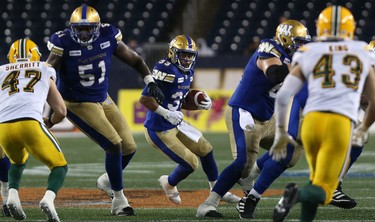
{"x":55,"y":100}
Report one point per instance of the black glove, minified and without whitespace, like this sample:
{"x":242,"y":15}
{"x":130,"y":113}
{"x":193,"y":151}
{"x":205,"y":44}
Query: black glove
{"x":155,"y":91}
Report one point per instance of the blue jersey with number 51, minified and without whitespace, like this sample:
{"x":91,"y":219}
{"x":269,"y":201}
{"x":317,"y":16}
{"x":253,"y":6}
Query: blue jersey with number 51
{"x":83,"y":76}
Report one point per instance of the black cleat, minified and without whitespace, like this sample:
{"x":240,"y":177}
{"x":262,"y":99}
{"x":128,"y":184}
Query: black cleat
{"x":127,"y":211}
{"x":213,"y":213}
{"x":341,"y":200}
{"x":6,"y":211}
{"x":286,"y":202}
{"x":246,"y":206}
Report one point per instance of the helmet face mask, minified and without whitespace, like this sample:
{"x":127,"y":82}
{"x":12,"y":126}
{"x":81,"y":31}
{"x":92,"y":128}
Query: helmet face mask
{"x":84,"y":25}
{"x":335,"y":22}
{"x":183,"y":52}
{"x":23,"y":50}
{"x":291,"y":35}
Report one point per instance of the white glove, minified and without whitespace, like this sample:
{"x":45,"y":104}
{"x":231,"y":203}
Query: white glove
{"x":205,"y":104}
{"x":360,"y":135}
{"x":282,"y":138}
{"x":246,"y":120}
{"x":174,"y":117}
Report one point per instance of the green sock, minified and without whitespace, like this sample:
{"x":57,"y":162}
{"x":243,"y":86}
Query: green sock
{"x":56,"y":178}
{"x":15,"y":175}
{"x":310,"y":197}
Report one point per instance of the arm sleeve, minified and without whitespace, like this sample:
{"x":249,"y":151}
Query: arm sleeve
{"x":277,"y":73}
{"x":291,"y":87}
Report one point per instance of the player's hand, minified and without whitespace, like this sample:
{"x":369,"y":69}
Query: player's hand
{"x":282,"y":138}
{"x":360,"y":135}
{"x":205,"y":104}
{"x":174,"y":117}
{"x":47,"y":122}
{"x":155,"y":91}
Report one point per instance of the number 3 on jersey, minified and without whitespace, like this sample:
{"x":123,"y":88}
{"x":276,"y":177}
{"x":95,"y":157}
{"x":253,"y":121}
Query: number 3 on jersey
{"x":88,"y":79}
{"x":324,"y":69}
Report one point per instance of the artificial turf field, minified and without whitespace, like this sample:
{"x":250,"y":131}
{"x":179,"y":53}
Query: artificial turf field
{"x":79,"y":200}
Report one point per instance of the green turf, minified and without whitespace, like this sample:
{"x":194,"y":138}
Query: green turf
{"x":86,"y":163}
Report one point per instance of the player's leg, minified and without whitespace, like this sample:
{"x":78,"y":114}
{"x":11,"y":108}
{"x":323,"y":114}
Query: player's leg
{"x":203,"y":149}
{"x":232,"y":173}
{"x":339,"y":198}
{"x":90,"y":119}
{"x":268,"y":170}
{"x":12,"y":145}
{"x":4,"y":185}
{"x":170,"y":145}
{"x":47,"y":150}
{"x":118,"y":121}
{"x":324,"y":131}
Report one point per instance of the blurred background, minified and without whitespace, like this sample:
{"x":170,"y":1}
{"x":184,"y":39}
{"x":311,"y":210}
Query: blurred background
{"x":226,"y":31}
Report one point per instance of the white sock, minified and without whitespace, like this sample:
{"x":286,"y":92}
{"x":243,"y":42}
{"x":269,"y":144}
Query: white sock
{"x":213,"y":199}
{"x":49,"y":196}
{"x":255,"y":193}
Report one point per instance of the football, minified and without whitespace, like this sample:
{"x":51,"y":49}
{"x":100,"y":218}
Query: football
{"x":192,"y":99}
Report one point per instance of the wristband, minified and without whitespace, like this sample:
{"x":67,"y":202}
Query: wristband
{"x":161,"y":111}
{"x":50,"y":122}
{"x":148,"y":79}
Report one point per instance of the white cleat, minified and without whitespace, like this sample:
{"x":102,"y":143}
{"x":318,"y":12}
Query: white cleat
{"x":207,"y":210}
{"x":170,"y":191}
{"x":231,"y":198}
{"x":14,"y":205}
{"x":104,"y":185}
{"x":121,"y":207}
{"x":49,"y":209}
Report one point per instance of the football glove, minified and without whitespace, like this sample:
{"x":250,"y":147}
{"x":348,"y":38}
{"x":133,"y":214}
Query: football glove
{"x":205,"y":104}
{"x":174,"y":117}
{"x":282,"y":138}
{"x":360,"y":136}
{"x":155,"y":91}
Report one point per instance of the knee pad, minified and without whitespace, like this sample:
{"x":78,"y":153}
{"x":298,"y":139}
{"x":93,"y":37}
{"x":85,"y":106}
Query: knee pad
{"x":204,"y":147}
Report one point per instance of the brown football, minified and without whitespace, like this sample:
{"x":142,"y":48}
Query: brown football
{"x":192,"y":99}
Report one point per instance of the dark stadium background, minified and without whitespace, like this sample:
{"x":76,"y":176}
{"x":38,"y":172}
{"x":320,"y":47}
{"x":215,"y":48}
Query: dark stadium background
{"x":230,"y":28}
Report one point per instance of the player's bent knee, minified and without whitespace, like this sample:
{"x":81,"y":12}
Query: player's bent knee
{"x":116,"y":148}
{"x":204,"y":148}
{"x":128,"y":148}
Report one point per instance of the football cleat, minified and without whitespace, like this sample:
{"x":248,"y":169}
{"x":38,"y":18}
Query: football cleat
{"x":207,"y":210}
{"x":49,"y":209}
{"x":341,"y":200}
{"x":246,"y":206}
{"x":6,"y":212}
{"x":104,"y":185}
{"x":121,"y":207}
{"x":286,"y":202}
{"x":231,"y":198}
{"x":170,"y":191}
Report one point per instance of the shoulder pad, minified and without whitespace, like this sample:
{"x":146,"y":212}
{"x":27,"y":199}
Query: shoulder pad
{"x":267,"y":47}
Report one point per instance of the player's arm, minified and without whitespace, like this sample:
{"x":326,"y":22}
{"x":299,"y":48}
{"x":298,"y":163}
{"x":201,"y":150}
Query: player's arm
{"x":130,"y":57}
{"x":149,"y":102}
{"x":54,"y":60}
{"x":56,"y":102}
{"x":369,"y":92}
{"x":292,"y":85}
{"x":273,"y":68}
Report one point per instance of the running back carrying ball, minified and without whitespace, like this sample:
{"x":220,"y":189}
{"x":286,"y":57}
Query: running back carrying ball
{"x":196,"y":99}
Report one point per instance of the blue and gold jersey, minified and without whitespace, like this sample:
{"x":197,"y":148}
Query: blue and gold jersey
{"x":175,"y":84}
{"x":255,"y":93}
{"x":83,"y":76}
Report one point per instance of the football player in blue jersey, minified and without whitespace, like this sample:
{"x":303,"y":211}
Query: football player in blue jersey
{"x":249,"y":115}
{"x":82,"y":55}
{"x":165,"y":129}
{"x":266,"y":170}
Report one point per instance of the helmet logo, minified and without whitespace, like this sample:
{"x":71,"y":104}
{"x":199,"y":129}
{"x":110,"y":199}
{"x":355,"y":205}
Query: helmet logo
{"x":285,"y":29}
